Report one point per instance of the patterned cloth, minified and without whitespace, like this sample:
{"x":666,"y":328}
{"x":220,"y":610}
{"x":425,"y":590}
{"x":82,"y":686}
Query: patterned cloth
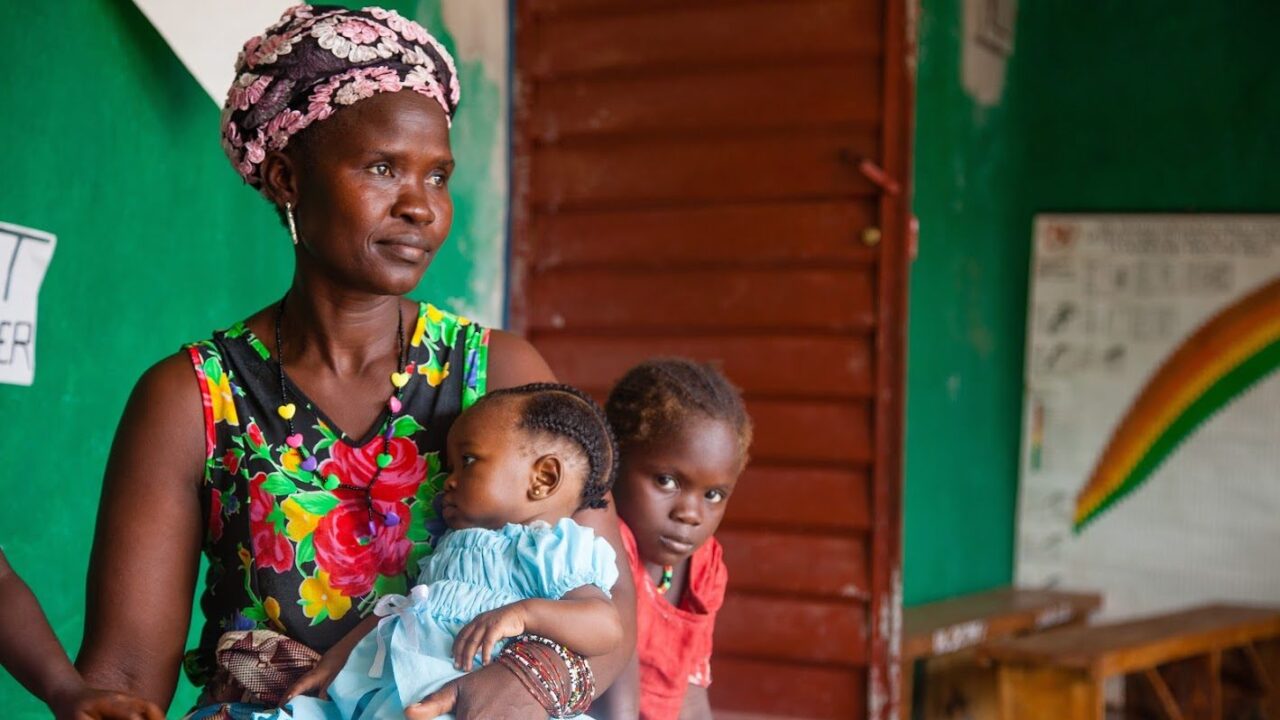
{"x":315,"y":60}
{"x":473,"y":571}
{"x":282,"y":540}
{"x":673,"y":642}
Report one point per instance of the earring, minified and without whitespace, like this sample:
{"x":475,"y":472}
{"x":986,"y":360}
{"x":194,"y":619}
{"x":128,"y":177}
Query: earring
{"x":293,"y":227}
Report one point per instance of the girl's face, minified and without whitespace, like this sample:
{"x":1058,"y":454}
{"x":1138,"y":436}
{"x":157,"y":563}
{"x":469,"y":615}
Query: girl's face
{"x":488,"y":483}
{"x":673,"y":490}
{"x":372,"y":200}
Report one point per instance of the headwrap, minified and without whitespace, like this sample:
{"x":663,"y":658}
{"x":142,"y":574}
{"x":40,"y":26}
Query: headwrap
{"x":316,"y":59}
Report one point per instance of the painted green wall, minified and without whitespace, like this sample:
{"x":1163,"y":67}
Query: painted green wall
{"x":1139,"y":106}
{"x":111,"y":145}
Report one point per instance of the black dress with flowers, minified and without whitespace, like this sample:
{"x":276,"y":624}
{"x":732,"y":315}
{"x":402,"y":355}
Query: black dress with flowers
{"x":289,"y":546}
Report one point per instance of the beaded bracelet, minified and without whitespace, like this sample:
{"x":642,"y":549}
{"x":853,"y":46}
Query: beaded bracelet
{"x":562,"y":693}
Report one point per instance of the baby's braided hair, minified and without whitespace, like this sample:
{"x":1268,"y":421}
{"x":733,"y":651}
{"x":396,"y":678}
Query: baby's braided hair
{"x":567,"y":412}
{"x":656,"y":396}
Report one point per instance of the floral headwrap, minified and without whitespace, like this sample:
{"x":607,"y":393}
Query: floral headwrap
{"x":317,"y":59}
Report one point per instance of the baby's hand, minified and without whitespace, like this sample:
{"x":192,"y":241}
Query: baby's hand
{"x":90,"y":704}
{"x":482,"y":633}
{"x":316,"y":680}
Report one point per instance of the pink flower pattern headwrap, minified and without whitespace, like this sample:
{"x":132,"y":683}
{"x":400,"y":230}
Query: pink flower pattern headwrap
{"x":317,"y":59}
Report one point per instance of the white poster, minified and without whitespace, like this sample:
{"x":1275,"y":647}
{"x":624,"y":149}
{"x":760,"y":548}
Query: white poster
{"x":24,"y":256}
{"x":1151,"y":416}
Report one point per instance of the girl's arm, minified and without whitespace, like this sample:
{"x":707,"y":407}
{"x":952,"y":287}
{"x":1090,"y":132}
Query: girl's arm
{"x":697,"y":704}
{"x":146,"y":549}
{"x":622,"y":700}
{"x":583,"y":620}
{"x":31,"y":653}
{"x":28,"y":648}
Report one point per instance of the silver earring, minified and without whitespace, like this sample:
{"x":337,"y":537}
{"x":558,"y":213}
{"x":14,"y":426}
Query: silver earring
{"x":293,"y":227}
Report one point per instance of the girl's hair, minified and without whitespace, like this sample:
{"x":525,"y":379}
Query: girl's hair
{"x":567,"y":412}
{"x":657,"y":396}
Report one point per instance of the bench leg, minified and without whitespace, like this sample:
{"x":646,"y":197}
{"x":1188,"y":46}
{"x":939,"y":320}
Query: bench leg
{"x":1265,"y":659}
{"x":1167,"y":703}
{"x":1036,"y":693}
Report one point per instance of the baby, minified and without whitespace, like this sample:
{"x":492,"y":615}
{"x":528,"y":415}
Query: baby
{"x":521,"y":461}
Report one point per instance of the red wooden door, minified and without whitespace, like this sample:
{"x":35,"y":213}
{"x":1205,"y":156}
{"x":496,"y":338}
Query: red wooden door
{"x":703,"y":178}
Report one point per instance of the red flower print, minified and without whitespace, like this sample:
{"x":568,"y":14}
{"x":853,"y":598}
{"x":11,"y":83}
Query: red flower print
{"x":215,"y":515}
{"x":255,"y":435}
{"x":355,"y":467}
{"x":270,"y":549}
{"x":231,"y":462}
{"x":353,"y":567}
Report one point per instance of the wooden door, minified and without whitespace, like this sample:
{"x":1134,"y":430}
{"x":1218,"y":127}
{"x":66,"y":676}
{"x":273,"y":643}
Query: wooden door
{"x":727,"y":181}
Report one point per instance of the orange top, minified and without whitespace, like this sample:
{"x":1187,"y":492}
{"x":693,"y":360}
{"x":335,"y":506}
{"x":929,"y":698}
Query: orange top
{"x":673,"y":643}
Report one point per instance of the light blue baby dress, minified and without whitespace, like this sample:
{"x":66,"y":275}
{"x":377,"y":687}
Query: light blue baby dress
{"x":410,"y":654}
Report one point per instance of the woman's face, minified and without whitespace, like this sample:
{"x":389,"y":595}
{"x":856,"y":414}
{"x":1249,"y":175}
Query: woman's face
{"x":371,"y":194}
{"x":673,"y":490}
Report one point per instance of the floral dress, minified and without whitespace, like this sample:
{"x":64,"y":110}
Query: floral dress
{"x":288,"y":548}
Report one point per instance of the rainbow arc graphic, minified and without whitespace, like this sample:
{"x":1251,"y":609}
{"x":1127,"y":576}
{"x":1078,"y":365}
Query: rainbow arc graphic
{"x":1223,"y":358}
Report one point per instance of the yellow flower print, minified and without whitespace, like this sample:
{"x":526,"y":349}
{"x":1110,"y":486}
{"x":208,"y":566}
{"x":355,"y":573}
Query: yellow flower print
{"x":291,"y":460}
{"x":418,"y":331}
{"x":301,"y":522}
{"x":223,"y":402}
{"x":435,"y":376}
{"x":463,"y":321}
{"x":272,"y":606}
{"x":245,"y":557}
{"x":318,"y":596}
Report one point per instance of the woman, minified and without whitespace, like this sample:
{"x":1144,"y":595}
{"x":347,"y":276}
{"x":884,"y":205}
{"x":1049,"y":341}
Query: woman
{"x":299,"y":448}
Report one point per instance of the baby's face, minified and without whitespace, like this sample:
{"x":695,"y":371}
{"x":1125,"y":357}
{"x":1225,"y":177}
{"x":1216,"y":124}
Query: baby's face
{"x":490,"y":466}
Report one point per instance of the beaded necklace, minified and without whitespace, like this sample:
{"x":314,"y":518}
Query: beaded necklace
{"x":664,"y":584}
{"x":287,"y":409}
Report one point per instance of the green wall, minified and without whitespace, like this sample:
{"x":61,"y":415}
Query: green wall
{"x":1137,"y":106}
{"x":111,"y":145}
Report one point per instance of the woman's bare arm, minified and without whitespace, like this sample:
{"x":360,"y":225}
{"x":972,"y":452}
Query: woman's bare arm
{"x":607,"y":668}
{"x":146,"y":549}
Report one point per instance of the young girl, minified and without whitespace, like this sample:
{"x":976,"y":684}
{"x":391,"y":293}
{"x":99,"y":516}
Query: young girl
{"x":513,"y":562}
{"x":683,"y":435}
{"x":30,"y":651}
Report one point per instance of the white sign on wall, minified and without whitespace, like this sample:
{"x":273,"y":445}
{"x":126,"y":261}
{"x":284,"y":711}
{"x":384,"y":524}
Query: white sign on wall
{"x":24,"y":256}
{"x":206,"y":36}
{"x":1152,"y":410}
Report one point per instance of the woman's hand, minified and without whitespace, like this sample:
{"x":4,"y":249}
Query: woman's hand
{"x":490,"y":693}
{"x":86,"y":703}
{"x":484,"y":631}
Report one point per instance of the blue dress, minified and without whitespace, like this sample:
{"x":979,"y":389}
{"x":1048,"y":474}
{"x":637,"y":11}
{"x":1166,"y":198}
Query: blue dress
{"x":410,"y":654}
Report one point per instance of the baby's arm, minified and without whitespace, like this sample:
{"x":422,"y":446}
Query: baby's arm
{"x":317,"y":679}
{"x":31,"y":652}
{"x":583,"y":620}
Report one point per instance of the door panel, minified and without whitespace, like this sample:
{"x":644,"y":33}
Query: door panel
{"x":727,"y":180}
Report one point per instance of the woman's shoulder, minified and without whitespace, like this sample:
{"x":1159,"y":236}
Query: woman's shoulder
{"x":513,"y":361}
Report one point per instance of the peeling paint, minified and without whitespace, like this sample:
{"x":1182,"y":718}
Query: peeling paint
{"x":469,"y":276}
{"x":985,"y":49}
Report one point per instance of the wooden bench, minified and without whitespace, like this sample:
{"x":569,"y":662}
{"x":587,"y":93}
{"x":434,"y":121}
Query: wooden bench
{"x":1060,"y":674}
{"x":952,"y":628}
